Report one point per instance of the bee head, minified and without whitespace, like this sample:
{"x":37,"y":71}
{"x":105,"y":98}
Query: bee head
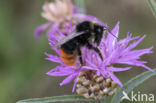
{"x":98,"y":29}
{"x":98,"y":32}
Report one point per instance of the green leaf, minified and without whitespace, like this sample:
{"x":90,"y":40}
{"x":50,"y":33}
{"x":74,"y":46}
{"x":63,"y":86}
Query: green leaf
{"x":131,"y":84}
{"x":152,"y":5}
{"x":80,"y":6}
{"x":66,"y":98}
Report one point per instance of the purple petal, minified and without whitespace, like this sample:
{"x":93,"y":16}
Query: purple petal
{"x":104,"y":73}
{"x":67,"y":29}
{"x":53,"y":31}
{"x":131,"y":62}
{"x":115,"y":69}
{"x":53,"y":58}
{"x":52,"y":44}
{"x":115,"y":79}
{"x":111,"y":40}
{"x":136,"y":63}
{"x":115,"y":32}
{"x":134,"y":44}
{"x":56,"y":72}
{"x":90,"y":63}
{"x":55,"y":69}
{"x":61,"y":71}
{"x":68,"y":79}
{"x":39,"y":30}
{"x":61,"y":34}
{"x":141,"y":52}
{"x":133,"y":55}
{"x":124,"y":42}
{"x":90,"y":68}
{"x":74,"y":86}
{"x":146,"y":67}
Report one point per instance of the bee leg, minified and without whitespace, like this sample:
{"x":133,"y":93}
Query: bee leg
{"x":80,"y":56}
{"x":95,"y":49}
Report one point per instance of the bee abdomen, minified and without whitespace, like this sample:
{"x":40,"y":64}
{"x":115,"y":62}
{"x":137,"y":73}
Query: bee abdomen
{"x":68,"y":58}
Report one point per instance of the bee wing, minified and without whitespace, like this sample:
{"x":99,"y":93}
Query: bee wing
{"x":69,"y":37}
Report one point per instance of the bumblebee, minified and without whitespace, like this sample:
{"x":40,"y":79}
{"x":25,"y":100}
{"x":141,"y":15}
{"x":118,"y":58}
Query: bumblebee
{"x":85,"y":34}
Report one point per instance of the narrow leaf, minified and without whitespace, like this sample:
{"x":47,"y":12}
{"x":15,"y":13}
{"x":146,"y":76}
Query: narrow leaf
{"x":152,"y":5}
{"x":131,"y":84}
{"x":80,"y":5}
{"x":66,"y":98}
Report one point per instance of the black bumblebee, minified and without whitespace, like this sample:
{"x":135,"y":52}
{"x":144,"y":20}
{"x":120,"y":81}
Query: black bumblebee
{"x":86,"y":33}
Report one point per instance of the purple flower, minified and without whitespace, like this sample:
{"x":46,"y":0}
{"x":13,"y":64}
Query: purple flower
{"x":114,"y":51}
{"x":55,"y":12}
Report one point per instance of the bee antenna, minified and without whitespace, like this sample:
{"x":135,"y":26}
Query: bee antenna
{"x":105,"y":28}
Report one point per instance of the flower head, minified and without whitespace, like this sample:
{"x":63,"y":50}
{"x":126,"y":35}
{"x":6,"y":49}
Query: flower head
{"x":58,"y":10}
{"x":114,"y":51}
{"x":57,"y":13}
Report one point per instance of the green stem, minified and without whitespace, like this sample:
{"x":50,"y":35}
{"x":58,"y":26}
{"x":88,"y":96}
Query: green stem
{"x":152,"y":5}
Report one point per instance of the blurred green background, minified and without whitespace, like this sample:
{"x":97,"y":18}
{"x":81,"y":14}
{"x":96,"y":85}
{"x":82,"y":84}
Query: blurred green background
{"x":22,"y":64}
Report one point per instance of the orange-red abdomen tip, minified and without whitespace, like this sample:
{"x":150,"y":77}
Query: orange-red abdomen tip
{"x":67,"y":58}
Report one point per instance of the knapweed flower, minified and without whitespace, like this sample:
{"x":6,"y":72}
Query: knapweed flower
{"x":116,"y":51}
{"x":102,"y":72}
{"x":57,"y":13}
